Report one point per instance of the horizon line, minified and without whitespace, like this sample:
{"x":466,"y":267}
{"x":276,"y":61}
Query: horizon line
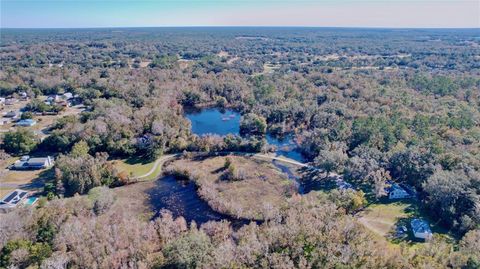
{"x":243,"y":26}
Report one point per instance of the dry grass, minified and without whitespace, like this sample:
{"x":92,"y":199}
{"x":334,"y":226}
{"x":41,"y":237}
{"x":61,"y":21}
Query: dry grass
{"x":223,"y":54}
{"x":5,"y":191}
{"x":262,"y":192}
{"x":144,"y":64}
{"x":269,"y":68}
{"x":133,"y":198}
{"x":20,"y":177}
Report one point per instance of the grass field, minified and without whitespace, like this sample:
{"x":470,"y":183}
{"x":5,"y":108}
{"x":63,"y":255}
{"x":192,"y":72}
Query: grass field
{"x":381,"y":218}
{"x":4,"y":191}
{"x":134,"y":167}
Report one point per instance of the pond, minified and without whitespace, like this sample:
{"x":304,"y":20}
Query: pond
{"x":214,"y":121}
{"x":181,"y":198}
{"x":227,"y":121}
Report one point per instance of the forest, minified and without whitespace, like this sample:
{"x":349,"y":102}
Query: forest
{"x":376,"y":106}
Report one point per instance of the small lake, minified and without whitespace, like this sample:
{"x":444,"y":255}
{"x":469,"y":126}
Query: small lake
{"x":227,"y":121}
{"x":181,"y":198}
{"x":214,"y":121}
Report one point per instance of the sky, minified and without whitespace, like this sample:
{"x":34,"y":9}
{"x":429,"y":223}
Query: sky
{"x":319,"y":13}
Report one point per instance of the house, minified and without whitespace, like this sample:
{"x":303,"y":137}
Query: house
{"x":421,"y":229}
{"x":12,"y":199}
{"x":27,"y":163}
{"x":11,"y":114}
{"x":10,"y":101}
{"x":397,"y":192}
{"x":342,"y":184}
{"x":52,"y":99}
{"x":26,"y":123}
{"x":67,"y":96}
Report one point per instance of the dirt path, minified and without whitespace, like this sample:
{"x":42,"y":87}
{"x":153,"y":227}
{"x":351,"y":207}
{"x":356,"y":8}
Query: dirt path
{"x":280,"y":159}
{"x":160,"y":161}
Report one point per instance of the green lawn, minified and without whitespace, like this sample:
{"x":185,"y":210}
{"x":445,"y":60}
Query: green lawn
{"x":381,"y":218}
{"x":134,"y":168}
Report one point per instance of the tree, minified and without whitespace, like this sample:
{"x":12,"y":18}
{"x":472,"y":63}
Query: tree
{"x":102,"y":198}
{"x":193,"y":250}
{"x":79,"y":174}
{"x":331,"y":160}
{"x":413,"y":165}
{"x":27,"y":115}
{"x":253,"y":124}
{"x":80,"y":149}
{"x":19,"y":142}
{"x":450,"y":200}
{"x":378,"y":179}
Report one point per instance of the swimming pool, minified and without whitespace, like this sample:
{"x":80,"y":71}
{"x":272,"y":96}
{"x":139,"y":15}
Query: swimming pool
{"x":31,"y":200}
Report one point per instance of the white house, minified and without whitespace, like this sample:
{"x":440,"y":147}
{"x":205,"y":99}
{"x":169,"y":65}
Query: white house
{"x":67,"y":96}
{"x":421,"y":229}
{"x":26,"y":163}
{"x":10,"y":101}
{"x":397,"y":192}
{"x":13,"y":198}
{"x":26,"y":123}
{"x":11,"y":114}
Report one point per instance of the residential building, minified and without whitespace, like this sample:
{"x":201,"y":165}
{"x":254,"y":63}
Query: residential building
{"x":397,"y":192}
{"x":13,"y":199}
{"x":10,"y":101}
{"x":421,"y":229}
{"x":26,"y":123}
{"x":11,"y":114}
{"x":27,"y":163}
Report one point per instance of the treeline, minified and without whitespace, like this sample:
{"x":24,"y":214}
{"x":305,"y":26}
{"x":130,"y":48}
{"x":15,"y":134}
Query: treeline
{"x":94,"y":231}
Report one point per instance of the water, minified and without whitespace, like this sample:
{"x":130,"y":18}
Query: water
{"x":227,"y":121}
{"x":181,"y":198}
{"x":286,"y":147}
{"x":31,"y":200}
{"x":214,"y":121}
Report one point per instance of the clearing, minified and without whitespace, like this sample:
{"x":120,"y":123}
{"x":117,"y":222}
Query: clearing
{"x":382,"y":218}
{"x":141,"y":170}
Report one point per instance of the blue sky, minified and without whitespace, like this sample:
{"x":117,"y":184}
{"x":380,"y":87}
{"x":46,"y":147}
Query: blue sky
{"x":327,"y":13}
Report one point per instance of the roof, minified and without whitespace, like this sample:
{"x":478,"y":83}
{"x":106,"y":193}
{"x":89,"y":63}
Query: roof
{"x":420,"y":226}
{"x":396,"y":187}
{"x":13,"y":198}
{"x":27,"y":122}
{"x":68,"y":95}
{"x":37,"y":161}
